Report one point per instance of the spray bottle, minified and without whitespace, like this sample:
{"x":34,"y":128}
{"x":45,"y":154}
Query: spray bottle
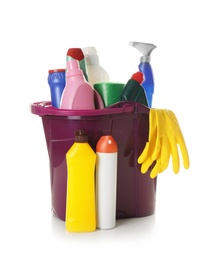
{"x":145,"y":68}
{"x":106,"y":182}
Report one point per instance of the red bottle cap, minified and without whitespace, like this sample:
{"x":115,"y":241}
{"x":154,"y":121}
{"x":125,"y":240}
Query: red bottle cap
{"x":75,"y":53}
{"x":138,"y":76}
{"x":56,"y":70}
{"x":106,"y":144}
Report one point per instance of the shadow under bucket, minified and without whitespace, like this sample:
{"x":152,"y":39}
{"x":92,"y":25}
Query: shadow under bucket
{"x":128,"y":123}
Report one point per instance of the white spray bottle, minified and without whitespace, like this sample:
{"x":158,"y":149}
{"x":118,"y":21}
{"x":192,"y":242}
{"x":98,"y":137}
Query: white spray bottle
{"x":106,"y":182}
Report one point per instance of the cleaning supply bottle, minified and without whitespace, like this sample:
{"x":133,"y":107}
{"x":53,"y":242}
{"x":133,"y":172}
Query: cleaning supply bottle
{"x":77,"y":54}
{"x":96,"y":73}
{"x":80,"y":200}
{"x":145,"y":67}
{"x":133,"y":91}
{"x":106,"y":182}
{"x":78,"y":93}
{"x":56,"y":81}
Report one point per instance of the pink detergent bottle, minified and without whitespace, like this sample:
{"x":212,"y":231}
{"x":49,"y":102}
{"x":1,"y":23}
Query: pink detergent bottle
{"x":78,"y":93}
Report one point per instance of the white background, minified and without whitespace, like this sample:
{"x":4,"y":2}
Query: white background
{"x":35,"y":36}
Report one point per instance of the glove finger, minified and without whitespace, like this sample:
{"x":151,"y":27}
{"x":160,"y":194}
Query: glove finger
{"x":156,"y":144}
{"x":144,"y":154}
{"x":156,"y":169}
{"x":175,"y":156}
{"x":182,"y":145}
{"x":172,"y":135}
{"x":185,"y":154}
{"x":148,"y":150}
{"x":181,"y":142}
{"x":146,"y":164}
{"x":165,"y":154}
{"x":152,"y":137}
{"x":161,"y":170}
{"x":152,"y":122}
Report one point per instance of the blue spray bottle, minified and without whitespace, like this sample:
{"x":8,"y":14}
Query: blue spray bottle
{"x":145,"y":68}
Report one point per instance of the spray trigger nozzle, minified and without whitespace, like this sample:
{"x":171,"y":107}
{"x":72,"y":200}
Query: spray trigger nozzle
{"x":144,"y":48}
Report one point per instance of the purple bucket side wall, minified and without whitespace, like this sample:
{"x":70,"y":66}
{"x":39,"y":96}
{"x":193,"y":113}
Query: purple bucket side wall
{"x":135,"y":191}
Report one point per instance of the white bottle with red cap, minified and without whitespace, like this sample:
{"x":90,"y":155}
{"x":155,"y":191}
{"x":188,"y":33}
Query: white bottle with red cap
{"x":106,"y":182}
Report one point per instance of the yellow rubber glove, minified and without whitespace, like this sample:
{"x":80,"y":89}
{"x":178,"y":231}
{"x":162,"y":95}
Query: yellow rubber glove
{"x":164,"y":137}
{"x":146,"y":156}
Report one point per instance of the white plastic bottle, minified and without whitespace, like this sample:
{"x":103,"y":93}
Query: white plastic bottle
{"x":96,"y":73}
{"x":106,"y":182}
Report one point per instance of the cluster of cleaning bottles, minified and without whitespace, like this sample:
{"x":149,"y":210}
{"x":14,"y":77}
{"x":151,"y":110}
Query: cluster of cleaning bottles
{"x":85,"y":85}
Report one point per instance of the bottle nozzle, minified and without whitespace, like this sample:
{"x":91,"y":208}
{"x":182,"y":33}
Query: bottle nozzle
{"x":144,"y":48}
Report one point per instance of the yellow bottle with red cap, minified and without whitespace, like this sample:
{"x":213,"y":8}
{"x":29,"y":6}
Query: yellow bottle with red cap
{"x":80,"y":202}
{"x":106,"y":182}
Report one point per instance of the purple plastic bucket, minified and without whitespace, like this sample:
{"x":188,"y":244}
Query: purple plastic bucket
{"x":128,"y":123}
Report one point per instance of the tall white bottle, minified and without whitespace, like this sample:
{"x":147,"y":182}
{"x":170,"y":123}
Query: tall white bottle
{"x":96,"y":73}
{"x":106,"y":182}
